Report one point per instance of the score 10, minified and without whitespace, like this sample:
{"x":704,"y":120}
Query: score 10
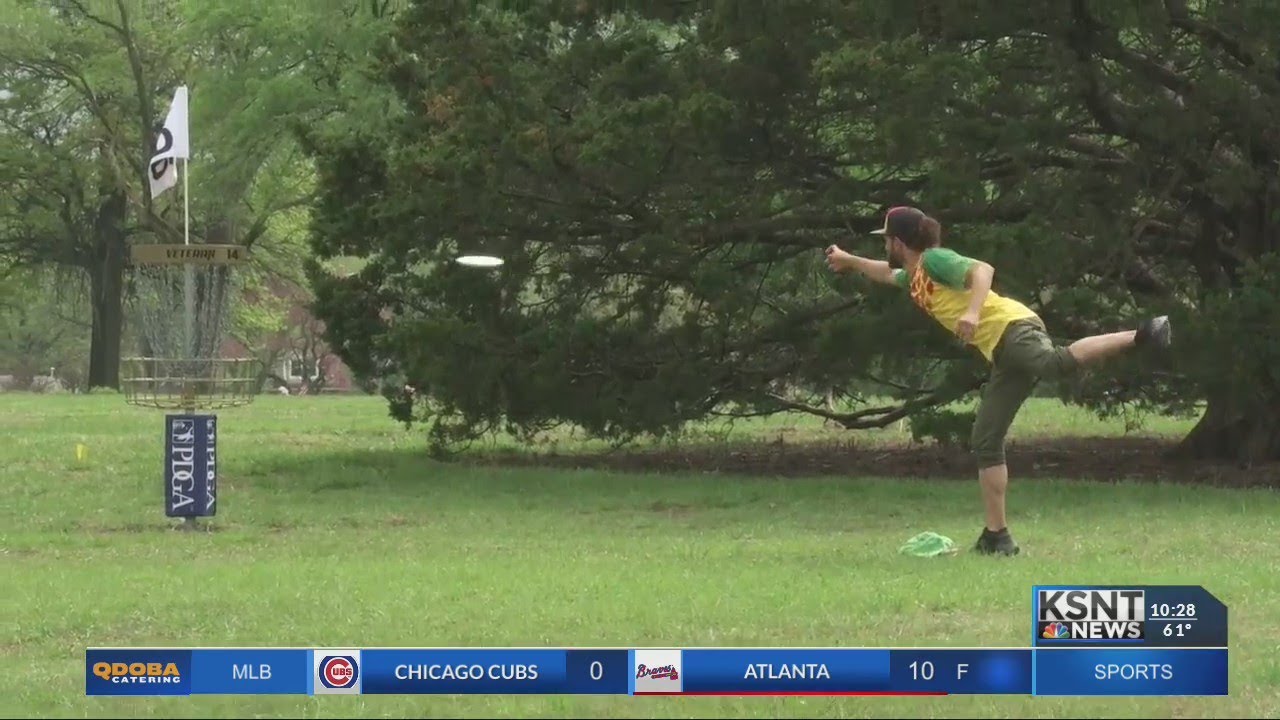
{"x":961,"y":672}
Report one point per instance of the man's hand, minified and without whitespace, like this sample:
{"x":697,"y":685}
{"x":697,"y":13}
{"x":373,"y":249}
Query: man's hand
{"x":839,"y":260}
{"x":967,"y":325}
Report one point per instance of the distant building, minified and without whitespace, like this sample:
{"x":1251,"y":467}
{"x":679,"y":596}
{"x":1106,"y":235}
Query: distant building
{"x":297,"y":354}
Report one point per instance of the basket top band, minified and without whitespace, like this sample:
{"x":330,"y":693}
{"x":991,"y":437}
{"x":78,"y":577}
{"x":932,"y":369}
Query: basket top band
{"x":197,"y":254}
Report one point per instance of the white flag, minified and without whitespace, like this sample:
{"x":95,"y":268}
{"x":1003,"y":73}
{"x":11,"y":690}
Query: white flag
{"x":171,"y":143}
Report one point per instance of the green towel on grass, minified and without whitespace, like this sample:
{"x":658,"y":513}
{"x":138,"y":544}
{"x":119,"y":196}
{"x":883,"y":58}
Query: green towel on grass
{"x":928,"y":544}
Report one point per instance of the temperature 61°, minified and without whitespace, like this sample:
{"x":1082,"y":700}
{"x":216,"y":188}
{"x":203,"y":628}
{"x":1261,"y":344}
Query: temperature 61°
{"x":1176,"y":629}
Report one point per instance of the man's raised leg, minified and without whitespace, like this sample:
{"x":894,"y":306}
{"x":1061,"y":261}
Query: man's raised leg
{"x":1155,"y":331}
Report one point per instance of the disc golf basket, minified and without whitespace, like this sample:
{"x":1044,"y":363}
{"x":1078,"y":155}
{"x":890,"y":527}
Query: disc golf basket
{"x":180,"y":305}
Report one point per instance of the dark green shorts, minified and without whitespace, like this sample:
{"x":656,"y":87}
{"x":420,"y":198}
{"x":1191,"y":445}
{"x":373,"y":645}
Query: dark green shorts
{"x":1024,"y":356}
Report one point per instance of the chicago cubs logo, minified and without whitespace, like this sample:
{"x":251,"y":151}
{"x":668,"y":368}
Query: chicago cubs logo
{"x":339,"y":671}
{"x":335,"y":671}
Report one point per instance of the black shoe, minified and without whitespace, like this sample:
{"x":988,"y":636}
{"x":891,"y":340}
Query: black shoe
{"x":1155,"y":332}
{"x":996,"y":543}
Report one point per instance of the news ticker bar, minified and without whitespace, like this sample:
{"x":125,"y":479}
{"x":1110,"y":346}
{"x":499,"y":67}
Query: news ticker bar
{"x":713,"y":671}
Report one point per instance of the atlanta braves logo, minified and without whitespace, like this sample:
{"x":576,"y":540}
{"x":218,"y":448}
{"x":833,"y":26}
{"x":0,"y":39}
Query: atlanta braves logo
{"x":657,"y":673}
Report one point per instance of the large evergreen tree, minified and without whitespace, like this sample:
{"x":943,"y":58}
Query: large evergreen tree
{"x":661,"y":182}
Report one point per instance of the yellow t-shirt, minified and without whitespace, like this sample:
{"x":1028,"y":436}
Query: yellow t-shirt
{"x":937,"y":286}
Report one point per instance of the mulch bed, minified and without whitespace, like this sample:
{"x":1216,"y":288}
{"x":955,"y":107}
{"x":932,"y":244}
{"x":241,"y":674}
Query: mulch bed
{"x":1096,"y":459}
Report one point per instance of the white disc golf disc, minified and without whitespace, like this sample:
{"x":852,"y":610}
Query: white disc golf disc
{"x":479,"y":261}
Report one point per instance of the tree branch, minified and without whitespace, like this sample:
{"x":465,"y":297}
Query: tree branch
{"x":260,"y":224}
{"x":839,"y":417}
{"x":1146,"y":67}
{"x":1080,"y":37}
{"x":1092,"y":148}
{"x":914,"y":391}
{"x":879,"y":417}
{"x":1180,"y":17}
{"x":79,"y":6}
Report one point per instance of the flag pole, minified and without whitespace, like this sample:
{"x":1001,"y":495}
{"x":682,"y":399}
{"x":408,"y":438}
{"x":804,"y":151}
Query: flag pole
{"x":186,"y":202}
{"x":173,"y":154}
{"x":188,"y":279}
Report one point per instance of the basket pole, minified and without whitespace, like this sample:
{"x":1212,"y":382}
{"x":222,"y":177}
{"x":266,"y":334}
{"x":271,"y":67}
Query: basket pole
{"x":189,"y":523}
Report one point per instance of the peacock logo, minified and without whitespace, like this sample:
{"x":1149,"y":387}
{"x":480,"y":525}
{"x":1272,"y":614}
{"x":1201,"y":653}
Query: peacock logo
{"x":1055,"y":631}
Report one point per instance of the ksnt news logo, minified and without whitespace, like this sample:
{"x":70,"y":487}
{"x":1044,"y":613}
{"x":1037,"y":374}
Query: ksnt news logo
{"x":1079,"y":614}
{"x":337,"y":672}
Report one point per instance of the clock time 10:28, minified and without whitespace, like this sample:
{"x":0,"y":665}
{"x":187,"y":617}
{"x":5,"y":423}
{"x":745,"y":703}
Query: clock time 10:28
{"x":1172,"y":610}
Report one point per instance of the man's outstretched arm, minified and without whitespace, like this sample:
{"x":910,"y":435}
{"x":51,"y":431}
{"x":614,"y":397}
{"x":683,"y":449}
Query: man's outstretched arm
{"x":877,"y":270}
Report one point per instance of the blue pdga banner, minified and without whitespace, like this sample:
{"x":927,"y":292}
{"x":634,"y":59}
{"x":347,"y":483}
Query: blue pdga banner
{"x":190,"y":469}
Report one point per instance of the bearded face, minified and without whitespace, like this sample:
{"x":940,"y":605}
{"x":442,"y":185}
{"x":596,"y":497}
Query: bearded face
{"x":893,"y":252}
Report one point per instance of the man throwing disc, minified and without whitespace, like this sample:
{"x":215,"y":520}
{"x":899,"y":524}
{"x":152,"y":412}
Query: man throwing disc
{"x":956,"y":291}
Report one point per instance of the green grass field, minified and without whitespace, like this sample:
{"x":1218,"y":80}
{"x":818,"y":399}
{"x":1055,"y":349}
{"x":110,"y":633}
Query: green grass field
{"x":335,"y":529}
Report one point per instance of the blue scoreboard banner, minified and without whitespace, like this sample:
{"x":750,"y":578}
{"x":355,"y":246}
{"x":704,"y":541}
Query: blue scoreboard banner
{"x":1132,"y":652}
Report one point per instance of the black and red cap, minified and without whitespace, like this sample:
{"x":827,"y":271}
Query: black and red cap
{"x":901,"y":222}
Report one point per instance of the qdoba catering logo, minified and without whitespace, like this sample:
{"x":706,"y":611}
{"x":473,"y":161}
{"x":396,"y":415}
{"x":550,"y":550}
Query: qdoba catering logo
{"x":658,"y":671}
{"x":152,"y":673}
{"x":337,"y":672}
{"x":137,"y":671}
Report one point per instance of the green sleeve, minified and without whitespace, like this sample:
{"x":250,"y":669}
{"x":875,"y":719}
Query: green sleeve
{"x":947,"y":266}
{"x":900,"y":278}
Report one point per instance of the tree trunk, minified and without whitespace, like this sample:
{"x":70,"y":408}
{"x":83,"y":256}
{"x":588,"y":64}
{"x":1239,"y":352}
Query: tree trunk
{"x":107,"y":288}
{"x":1230,"y":430}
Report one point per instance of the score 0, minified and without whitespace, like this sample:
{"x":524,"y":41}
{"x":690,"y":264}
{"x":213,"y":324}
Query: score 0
{"x":597,"y":672}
